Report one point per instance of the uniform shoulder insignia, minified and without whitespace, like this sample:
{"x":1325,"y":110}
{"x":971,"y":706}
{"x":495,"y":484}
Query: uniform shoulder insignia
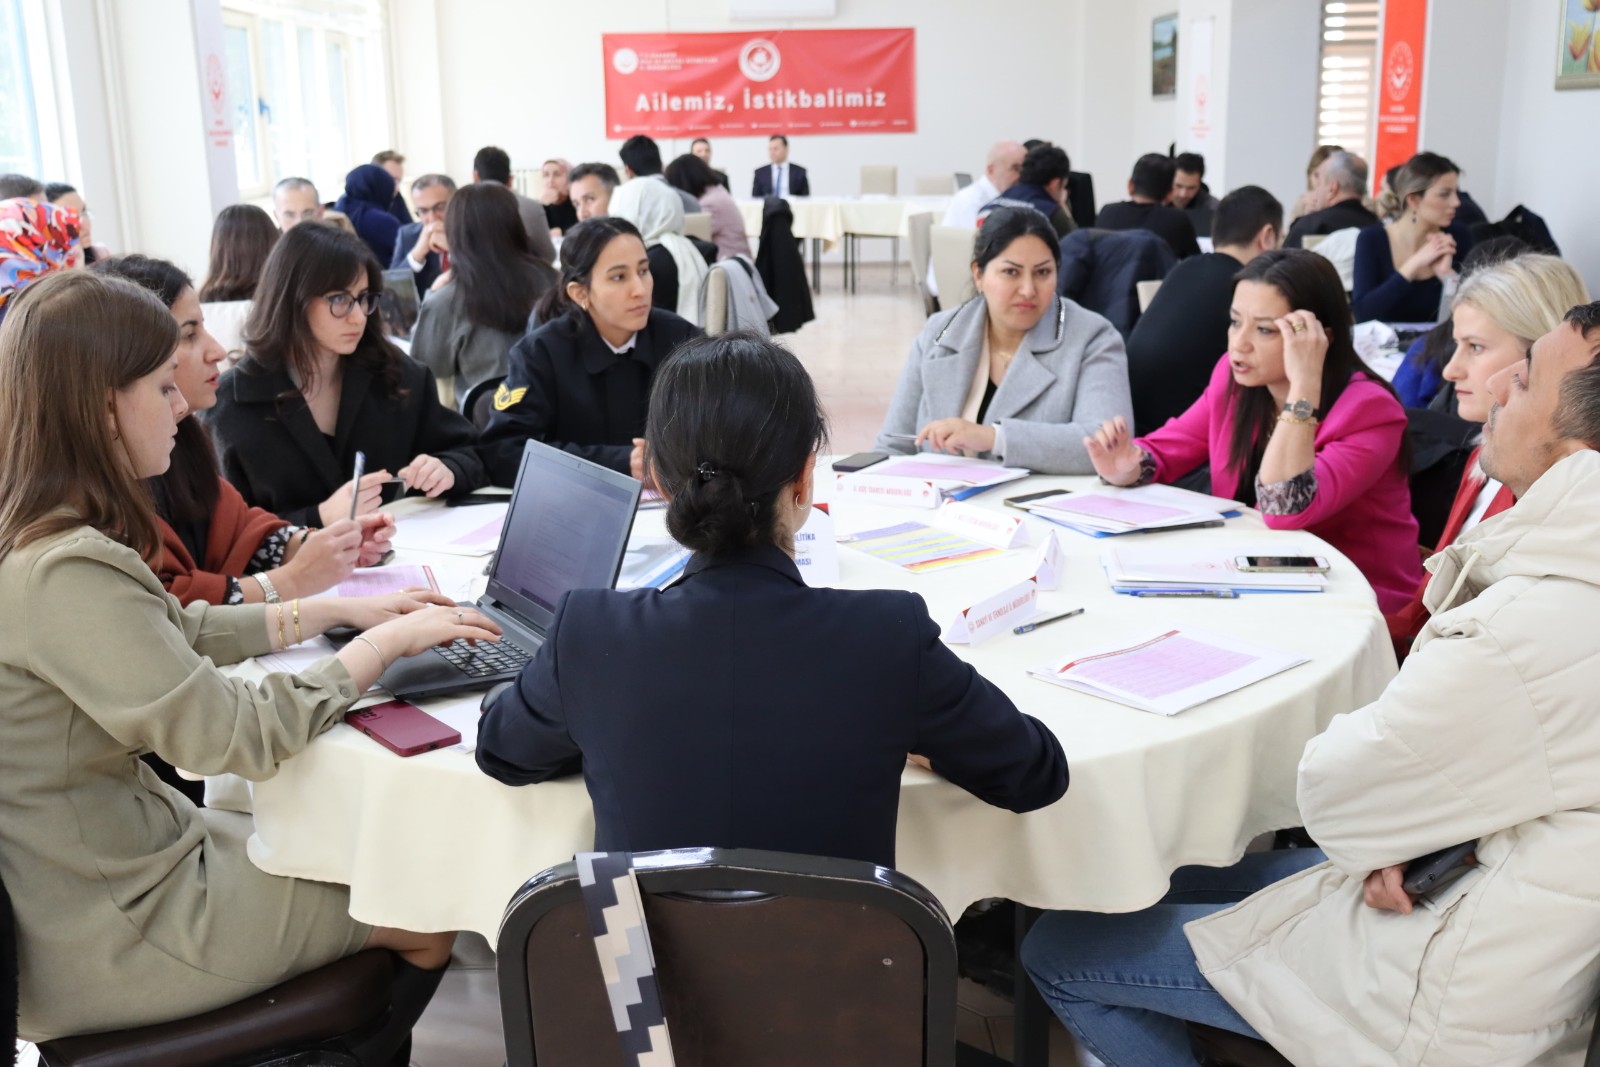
{"x":506,"y":398}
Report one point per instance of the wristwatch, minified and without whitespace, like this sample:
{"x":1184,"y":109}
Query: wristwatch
{"x":268,"y":594}
{"x":1298,"y":411}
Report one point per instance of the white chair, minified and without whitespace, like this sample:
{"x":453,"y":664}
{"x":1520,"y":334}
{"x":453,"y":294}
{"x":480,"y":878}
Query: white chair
{"x":1311,"y":241}
{"x":1147,"y":293}
{"x":528,"y":181}
{"x":876,"y":180}
{"x":918,"y":227}
{"x":698,"y":225}
{"x":950,"y":249}
{"x":716,"y":303}
{"x":940,"y":186}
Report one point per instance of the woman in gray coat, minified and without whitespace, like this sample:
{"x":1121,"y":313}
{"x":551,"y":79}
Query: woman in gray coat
{"x":132,"y":906}
{"x":480,"y":305}
{"x":1017,"y":373}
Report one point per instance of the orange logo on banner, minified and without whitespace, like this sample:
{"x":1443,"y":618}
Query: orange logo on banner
{"x":1405,"y":28}
{"x":788,"y":81}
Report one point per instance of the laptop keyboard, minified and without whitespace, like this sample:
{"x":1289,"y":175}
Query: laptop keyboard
{"x":484,"y":659}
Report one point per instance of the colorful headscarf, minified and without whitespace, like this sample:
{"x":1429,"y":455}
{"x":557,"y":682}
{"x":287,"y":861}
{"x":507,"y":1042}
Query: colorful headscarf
{"x":35,"y":239}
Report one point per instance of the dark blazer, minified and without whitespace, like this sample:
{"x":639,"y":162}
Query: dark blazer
{"x":799,"y":184}
{"x":719,"y":748}
{"x":1341,"y":216}
{"x":274,"y":454}
{"x":1175,"y":344}
{"x":1101,"y":269}
{"x":1171,"y":224}
{"x":565,"y":387}
{"x":432,"y":267}
{"x":1382,"y":292}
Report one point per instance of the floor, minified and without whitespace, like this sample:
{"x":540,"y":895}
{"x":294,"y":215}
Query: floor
{"x":854,"y":351}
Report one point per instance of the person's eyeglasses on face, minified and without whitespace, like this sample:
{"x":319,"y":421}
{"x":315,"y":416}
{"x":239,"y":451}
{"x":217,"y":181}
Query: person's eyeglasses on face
{"x":341,"y":304}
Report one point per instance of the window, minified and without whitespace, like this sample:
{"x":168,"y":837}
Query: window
{"x":310,"y":98}
{"x":1348,"y":72}
{"x":20,"y":150}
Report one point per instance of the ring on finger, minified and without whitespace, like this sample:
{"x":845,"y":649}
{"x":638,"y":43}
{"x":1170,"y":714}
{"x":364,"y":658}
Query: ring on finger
{"x":1299,"y":327}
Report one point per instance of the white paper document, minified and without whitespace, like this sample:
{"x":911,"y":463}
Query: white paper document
{"x":1108,"y":510}
{"x":1168,"y":671}
{"x":463,"y":531}
{"x":1173,"y":565}
{"x":296,"y":658}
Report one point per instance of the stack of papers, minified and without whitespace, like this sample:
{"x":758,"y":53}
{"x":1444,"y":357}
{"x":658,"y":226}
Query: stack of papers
{"x":382,"y":581}
{"x":1168,"y":671}
{"x":1109,"y":511}
{"x":919,"y":548}
{"x":651,"y":564}
{"x":1175,"y":567}
{"x":955,"y":477}
{"x":462,"y":531}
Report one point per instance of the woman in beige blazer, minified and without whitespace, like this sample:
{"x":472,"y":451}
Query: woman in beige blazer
{"x":132,"y":906}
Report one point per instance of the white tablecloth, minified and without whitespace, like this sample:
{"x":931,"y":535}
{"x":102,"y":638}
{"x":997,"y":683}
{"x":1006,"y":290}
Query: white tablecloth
{"x":829,"y":218}
{"x":429,"y":843}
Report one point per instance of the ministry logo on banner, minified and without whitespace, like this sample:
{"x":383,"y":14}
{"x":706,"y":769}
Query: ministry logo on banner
{"x":759,"y":60}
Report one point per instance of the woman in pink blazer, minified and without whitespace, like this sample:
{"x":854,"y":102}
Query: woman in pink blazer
{"x":1294,"y":423}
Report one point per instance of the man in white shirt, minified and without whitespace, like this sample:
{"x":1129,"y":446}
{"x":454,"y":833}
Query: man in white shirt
{"x":999,"y":173}
{"x":780,"y":177}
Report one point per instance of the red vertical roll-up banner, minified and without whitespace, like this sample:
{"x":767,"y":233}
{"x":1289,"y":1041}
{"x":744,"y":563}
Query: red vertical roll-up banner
{"x":774,"y":81}
{"x":1399,"y":89}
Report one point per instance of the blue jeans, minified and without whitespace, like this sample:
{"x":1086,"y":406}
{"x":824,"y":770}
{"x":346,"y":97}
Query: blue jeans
{"x":1125,"y":984}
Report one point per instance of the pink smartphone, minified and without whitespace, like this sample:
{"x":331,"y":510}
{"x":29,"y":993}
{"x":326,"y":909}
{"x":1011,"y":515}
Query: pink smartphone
{"x":402,"y":728}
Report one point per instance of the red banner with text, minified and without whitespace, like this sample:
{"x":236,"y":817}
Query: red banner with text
{"x":778,"y":81}
{"x":1405,"y":29}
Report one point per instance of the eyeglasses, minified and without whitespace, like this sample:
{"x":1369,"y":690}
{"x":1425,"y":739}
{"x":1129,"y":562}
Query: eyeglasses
{"x":341,"y":304}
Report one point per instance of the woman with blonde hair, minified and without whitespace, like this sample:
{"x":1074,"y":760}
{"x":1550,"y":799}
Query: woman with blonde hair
{"x":1400,"y":267}
{"x":1497,"y":314}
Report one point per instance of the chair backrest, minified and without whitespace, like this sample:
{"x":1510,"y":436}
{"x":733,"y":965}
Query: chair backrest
{"x":697,"y":224}
{"x":478,"y":404}
{"x":528,"y":181}
{"x":963,"y":179}
{"x":1080,"y":198}
{"x":763,"y":959}
{"x":917,"y":231}
{"x":1311,"y":240}
{"x":879,"y":180}
{"x":1147,"y":293}
{"x":950,"y":248}
{"x":942,"y":185}
{"x":716,"y":296}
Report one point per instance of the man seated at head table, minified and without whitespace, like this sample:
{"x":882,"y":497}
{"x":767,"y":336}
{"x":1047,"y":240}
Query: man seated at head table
{"x":1146,"y":207}
{"x":1487,"y":737}
{"x":780,"y":178}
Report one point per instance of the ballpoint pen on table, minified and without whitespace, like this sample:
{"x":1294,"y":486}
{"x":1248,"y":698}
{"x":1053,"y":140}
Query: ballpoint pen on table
{"x":1027,"y":627}
{"x":1197,"y":594}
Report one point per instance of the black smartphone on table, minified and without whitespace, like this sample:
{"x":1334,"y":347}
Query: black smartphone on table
{"x":1032,"y":498}
{"x":859,"y":461}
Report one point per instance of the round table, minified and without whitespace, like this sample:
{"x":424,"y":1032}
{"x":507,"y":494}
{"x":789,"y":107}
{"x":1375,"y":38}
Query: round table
{"x":429,"y":843}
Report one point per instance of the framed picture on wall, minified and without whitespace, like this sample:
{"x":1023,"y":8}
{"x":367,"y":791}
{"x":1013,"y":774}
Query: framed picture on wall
{"x":1164,"y":56}
{"x":1578,"y":54}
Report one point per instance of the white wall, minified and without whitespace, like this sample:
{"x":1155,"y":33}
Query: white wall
{"x":1272,"y":95}
{"x":1463,"y":88}
{"x":534,"y":83}
{"x":1547,"y":150}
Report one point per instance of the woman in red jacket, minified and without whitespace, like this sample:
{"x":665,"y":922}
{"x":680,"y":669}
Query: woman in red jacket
{"x":1496,"y":314}
{"x":215,"y":547}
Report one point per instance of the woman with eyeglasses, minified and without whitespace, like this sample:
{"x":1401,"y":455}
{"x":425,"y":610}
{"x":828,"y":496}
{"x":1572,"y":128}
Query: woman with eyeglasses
{"x":319,"y":383}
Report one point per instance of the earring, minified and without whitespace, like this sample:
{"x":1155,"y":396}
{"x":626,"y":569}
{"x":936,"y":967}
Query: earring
{"x":797,"y":502}
{"x":1413,"y":218}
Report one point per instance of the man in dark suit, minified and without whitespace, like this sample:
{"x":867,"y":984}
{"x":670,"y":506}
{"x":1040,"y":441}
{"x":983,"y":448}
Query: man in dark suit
{"x":1146,"y":207}
{"x":1337,"y":184}
{"x":781,"y":178}
{"x":421,"y":245}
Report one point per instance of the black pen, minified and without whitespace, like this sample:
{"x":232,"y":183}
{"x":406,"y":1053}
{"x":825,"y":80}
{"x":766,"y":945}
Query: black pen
{"x":1028,"y":627}
{"x":355,"y":483}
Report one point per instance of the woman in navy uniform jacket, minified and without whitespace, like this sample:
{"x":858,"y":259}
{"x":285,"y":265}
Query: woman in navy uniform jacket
{"x":739,"y":707}
{"x":581,"y":381}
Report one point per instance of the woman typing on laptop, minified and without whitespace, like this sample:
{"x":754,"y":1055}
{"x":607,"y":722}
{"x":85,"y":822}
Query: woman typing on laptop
{"x":777,"y":716}
{"x":132,"y":906}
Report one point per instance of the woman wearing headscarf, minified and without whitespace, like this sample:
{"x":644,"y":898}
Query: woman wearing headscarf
{"x":35,"y":239}
{"x":676,"y":265}
{"x":368,"y":191}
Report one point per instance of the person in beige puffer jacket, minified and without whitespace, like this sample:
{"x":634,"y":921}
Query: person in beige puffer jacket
{"x":1490,"y":733}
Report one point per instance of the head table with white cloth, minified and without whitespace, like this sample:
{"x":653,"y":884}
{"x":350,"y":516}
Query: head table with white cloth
{"x":826,"y":219}
{"x":429,"y":843}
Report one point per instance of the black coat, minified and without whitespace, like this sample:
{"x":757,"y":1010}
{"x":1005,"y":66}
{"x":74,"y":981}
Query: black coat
{"x":783,"y":268}
{"x":680,"y":709}
{"x":274,"y":454}
{"x":565,"y":387}
{"x":432,"y":267}
{"x":799,"y":184}
{"x":1101,"y":269}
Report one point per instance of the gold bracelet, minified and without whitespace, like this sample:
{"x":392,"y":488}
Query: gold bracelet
{"x":1310,"y":420}
{"x":283,"y":638}
{"x":374,"y":646}
{"x":296,"y":606}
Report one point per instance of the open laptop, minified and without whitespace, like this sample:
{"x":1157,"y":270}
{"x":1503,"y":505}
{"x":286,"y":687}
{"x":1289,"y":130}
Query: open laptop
{"x":567,"y":528}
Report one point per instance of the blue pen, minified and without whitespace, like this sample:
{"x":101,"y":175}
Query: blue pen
{"x":1029,"y":627}
{"x":355,"y":483}
{"x":1196,"y":594}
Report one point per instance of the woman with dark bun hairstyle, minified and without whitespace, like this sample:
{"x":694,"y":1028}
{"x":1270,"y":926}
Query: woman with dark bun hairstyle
{"x":754,"y":710}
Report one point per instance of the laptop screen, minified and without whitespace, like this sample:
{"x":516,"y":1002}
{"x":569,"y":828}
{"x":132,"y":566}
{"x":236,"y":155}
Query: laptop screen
{"x":567,"y":528}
